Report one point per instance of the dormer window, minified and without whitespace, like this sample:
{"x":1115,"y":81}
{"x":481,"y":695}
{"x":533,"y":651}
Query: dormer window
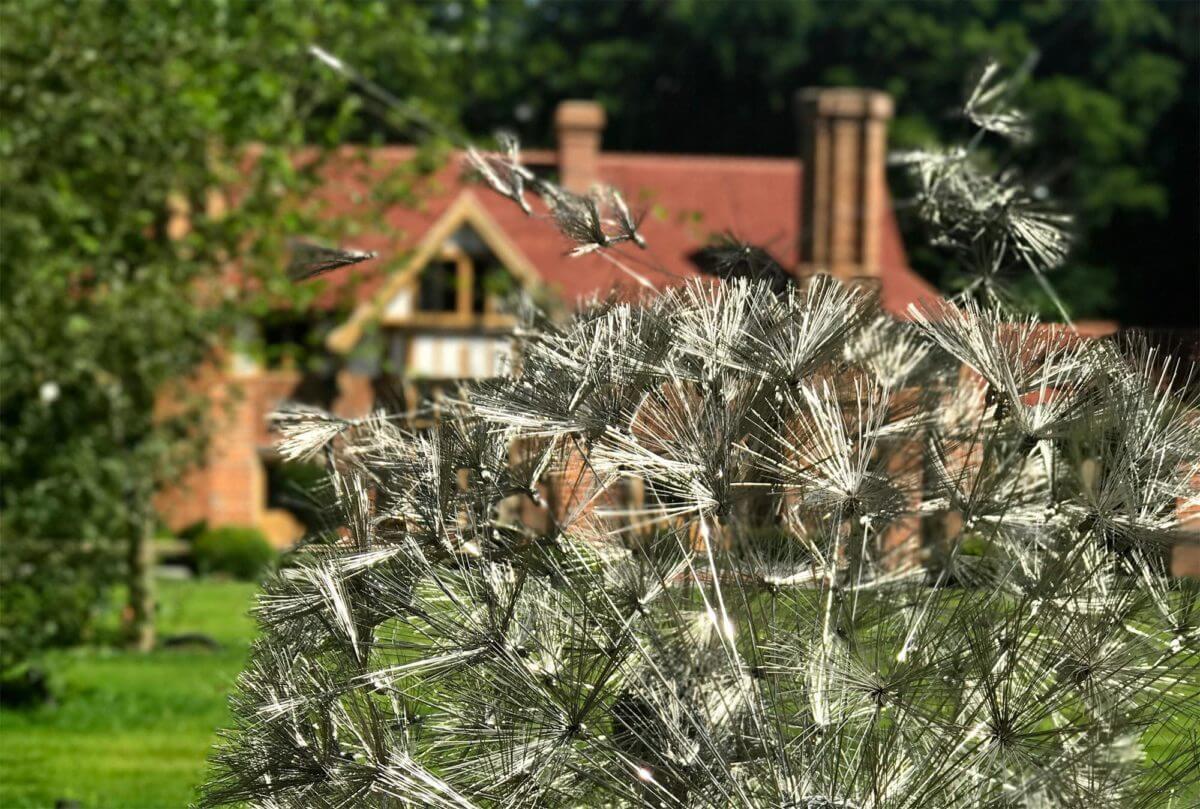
{"x":457,"y":286}
{"x":463,"y":282}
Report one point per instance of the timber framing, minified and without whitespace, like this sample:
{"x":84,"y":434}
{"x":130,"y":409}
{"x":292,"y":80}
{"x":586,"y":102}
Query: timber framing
{"x":465,"y":210}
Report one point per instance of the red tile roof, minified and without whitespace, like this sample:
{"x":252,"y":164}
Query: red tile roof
{"x":688,"y":200}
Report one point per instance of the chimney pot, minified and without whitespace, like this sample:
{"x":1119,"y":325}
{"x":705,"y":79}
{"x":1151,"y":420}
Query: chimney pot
{"x":579,"y":126}
{"x":843,"y":151}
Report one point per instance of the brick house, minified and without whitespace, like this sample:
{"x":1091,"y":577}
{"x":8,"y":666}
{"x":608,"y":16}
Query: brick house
{"x":429,"y":302}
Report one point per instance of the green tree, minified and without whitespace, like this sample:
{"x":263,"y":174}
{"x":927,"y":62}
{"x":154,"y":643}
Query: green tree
{"x":1112,"y":93}
{"x":119,"y":121}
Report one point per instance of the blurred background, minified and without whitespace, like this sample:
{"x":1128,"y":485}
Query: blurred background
{"x":170,"y":170}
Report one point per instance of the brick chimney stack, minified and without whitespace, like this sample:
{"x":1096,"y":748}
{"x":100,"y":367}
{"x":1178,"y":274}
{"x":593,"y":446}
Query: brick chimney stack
{"x":843,"y":145}
{"x":579,"y":125}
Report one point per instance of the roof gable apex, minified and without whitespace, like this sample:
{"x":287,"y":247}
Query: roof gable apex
{"x":465,"y":210}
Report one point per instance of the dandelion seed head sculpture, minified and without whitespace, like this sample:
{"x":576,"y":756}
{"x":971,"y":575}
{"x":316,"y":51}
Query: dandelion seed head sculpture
{"x":311,"y":260}
{"x":672,"y":561}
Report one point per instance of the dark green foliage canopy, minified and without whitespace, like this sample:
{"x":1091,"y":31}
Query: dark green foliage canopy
{"x":1113,"y":94}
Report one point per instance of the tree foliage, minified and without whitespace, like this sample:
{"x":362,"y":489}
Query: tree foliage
{"x":128,"y":191}
{"x":1112,"y":91}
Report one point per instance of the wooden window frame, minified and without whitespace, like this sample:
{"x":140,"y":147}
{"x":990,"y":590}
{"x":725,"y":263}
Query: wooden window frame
{"x":463,"y":317}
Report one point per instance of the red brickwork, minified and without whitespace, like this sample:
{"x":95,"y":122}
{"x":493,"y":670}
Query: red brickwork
{"x":1185,"y":557}
{"x":230,"y":488}
{"x":579,"y":125}
{"x":843,"y":148}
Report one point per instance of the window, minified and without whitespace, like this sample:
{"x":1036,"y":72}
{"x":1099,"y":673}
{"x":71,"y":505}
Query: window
{"x":439,"y":287}
{"x":465,"y":281}
{"x":491,"y":286}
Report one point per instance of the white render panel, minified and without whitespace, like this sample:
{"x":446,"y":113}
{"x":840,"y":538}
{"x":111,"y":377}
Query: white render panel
{"x":400,"y":306}
{"x":485,"y":355}
{"x":440,"y":356}
{"x":479,"y":357}
{"x":424,"y":356}
{"x":450,"y":359}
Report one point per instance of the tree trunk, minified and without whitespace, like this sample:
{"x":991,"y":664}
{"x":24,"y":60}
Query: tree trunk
{"x":141,"y":586}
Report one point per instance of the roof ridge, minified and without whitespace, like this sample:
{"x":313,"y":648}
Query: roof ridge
{"x":609,"y":157}
{"x":741,"y":161}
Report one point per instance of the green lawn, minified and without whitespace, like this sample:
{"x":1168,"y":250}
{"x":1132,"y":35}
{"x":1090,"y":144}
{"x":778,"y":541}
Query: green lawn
{"x":131,"y":730}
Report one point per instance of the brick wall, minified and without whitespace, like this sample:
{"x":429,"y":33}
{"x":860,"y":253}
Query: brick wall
{"x":231,"y":487}
{"x":1185,"y":556}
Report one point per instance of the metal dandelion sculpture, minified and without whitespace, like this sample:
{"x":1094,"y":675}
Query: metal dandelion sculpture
{"x":732,"y":545}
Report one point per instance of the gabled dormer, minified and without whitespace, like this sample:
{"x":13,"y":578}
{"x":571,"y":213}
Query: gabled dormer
{"x":444,"y":313}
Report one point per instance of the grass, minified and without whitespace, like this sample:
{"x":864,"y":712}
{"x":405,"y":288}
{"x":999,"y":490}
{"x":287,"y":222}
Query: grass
{"x":128,"y":729}
{"x":132,"y":730}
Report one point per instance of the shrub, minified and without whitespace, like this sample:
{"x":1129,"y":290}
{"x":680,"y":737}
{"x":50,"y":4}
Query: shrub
{"x":49,"y":592}
{"x":237,"y":551}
